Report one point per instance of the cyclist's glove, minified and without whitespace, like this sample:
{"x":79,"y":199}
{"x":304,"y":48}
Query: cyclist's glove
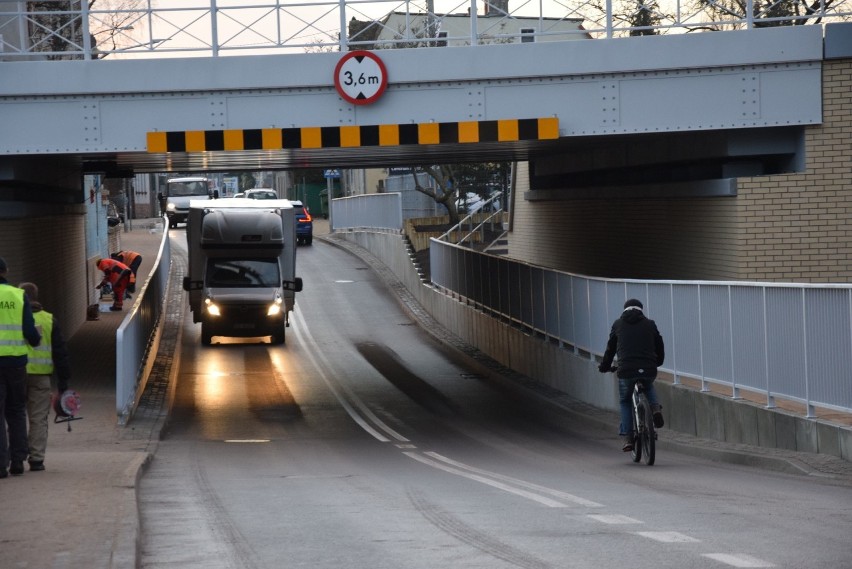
{"x":604,"y":368}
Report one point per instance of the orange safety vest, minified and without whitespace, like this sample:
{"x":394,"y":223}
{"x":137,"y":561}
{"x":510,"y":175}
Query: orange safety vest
{"x":113,"y":270}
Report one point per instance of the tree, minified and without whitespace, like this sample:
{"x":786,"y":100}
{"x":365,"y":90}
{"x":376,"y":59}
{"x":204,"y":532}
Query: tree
{"x":454,"y":180}
{"x":55,"y":26}
{"x":766,"y":13}
{"x":639,"y":17}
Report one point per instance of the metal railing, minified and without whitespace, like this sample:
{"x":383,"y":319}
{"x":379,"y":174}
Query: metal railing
{"x":69,"y":29}
{"x":489,"y":215}
{"x":368,"y":211}
{"x":138,"y":333}
{"x":781,"y":340}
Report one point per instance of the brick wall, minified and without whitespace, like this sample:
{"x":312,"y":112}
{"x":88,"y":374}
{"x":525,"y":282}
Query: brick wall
{"x":48,"y":251}
{"x":797,"y":227}
{"x":779,"y":228}
{"x":633,"y":238}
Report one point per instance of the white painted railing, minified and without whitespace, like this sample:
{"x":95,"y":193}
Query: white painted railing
{"x":368,"y":211}
{"x":136,"y":337}
{"x":141,"y":28}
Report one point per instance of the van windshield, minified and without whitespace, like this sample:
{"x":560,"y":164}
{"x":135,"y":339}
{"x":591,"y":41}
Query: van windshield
{"x":243,"y":273}
{"x":193,"y":188}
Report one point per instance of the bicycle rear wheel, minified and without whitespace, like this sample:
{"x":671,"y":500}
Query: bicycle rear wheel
{"x":647,"y":438}
{"x":636,"y":453}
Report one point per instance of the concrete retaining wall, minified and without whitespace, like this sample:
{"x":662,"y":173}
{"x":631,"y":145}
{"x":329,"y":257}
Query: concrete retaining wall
{"x":702,"y":414}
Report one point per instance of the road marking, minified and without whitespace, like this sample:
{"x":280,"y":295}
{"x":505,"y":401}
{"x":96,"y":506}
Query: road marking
{"x":667,"y":536}
{"x":738,"y":560}
{"x":614,"y":519}
{"x":361,"y":421}
{"x":543,"y":489}
{"x":493,"y":483}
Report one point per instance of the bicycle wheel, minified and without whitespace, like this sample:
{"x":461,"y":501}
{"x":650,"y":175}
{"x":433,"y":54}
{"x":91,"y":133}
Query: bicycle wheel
{"x":636,"y":453}
{"x":647,"y":438}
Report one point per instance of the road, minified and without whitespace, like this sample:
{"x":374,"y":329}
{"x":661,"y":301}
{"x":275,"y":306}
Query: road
{"x":363,"y":443}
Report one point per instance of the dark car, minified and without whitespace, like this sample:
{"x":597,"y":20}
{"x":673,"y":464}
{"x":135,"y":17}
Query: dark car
{"x":304,"y":224}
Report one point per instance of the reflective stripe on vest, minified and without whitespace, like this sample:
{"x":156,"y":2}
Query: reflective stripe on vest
{"x":12,"y":341}
{"x":40,"y":359}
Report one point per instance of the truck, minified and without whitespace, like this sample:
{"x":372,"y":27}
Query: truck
{"x":174,"y":199}
{"x":242,"y":267}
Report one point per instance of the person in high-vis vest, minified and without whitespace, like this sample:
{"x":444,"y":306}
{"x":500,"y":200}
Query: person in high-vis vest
{"x":132,"y":259}
{"x":17,"y":329}
{"x":118,"y":275}
{"x":49,"y":357}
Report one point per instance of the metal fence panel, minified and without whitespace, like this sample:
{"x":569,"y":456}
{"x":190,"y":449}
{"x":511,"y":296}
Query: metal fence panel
{"x":748,"y":323}
{"x":687,"y":331}
{"x":659,"y":309}
{"x":829,"y":338}
{"x":552,"y":308}
{"x":785,"y":323}
{"x":715,"y":332}
{"x":566,"y":308}
{"x":583,"y":319}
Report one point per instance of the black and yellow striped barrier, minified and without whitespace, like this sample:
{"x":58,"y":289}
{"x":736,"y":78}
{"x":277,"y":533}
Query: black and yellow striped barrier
{"x":511,"y":130}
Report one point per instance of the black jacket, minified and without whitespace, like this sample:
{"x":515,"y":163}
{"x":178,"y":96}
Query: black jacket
{"x":638,"y":345}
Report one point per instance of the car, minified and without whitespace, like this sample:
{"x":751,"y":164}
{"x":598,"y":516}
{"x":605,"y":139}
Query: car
{"x":240,"y":195}
{"x":304,"y":223}
{"x":261,"y":194}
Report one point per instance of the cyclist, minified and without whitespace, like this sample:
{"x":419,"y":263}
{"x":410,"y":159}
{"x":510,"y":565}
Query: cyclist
{"x":639,"y":347}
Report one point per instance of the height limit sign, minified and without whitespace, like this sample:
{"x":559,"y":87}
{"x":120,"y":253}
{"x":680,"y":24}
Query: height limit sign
{"x":360,"y":77}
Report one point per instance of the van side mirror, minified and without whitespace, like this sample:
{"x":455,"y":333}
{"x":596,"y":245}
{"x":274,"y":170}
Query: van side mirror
{"x":294,"y":285}
{"x":215,"y":194}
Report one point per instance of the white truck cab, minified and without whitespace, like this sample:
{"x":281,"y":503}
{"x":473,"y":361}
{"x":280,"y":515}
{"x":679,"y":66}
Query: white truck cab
{"x":242,"y":267}
{"x":174,"y":199}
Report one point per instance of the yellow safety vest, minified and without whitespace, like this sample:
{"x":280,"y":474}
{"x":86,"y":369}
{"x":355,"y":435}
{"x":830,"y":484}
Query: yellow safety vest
{"x":12,"y":341}
{"x":40,"y":359}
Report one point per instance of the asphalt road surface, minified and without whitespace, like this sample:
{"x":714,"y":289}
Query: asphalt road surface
{"x":361,"y":443}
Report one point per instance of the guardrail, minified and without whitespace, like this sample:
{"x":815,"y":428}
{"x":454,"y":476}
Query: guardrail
{"x":781,"y":340}
{"x":368,"y":211}
{"x":72,"y":30}
{"x":139,"y":332}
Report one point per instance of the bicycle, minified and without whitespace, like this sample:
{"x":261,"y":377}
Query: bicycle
{"x":644,"y":435}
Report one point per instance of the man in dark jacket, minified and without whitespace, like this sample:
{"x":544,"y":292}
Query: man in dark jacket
{"x":639,"y":347}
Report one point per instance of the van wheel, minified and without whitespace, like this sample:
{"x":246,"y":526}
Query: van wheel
{"x":308,"y":240}
{"x":206,"y":336}
{"x":278,"y":338}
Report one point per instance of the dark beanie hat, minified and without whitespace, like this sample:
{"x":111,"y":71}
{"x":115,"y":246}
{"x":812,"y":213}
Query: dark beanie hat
{"x":3,"y":267}
{"x":633,"y":302}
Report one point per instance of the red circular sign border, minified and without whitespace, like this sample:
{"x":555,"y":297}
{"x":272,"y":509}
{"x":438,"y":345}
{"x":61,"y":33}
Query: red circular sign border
{"x":382,"y":87}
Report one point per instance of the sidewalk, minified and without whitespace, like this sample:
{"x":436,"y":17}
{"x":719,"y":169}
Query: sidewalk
{"x":82,"y":511}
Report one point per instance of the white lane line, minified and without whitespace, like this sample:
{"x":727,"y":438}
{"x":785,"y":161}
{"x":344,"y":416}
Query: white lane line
{"x":667,"y":536}
{"x":522,"y":483}
{"x":738,"y":560}
{"x":614,"y":519}
{"x":493,"y":483}
{"x":303,"y":329}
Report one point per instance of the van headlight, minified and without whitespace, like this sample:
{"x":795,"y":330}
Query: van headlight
{"x":212,"y":307}
{"x":170,"y":206}
{"x":275,"y":307}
